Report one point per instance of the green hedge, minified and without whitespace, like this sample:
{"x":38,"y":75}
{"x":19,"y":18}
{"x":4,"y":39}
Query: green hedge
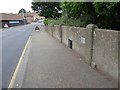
{"x":46,"y":22}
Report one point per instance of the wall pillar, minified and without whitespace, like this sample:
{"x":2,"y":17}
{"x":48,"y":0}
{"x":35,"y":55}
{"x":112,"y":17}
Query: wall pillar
{"x":92,"y":28}
{"x":61,"y":33}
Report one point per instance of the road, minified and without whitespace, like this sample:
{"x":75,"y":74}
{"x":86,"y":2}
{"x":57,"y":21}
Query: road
{"x":13,"y":43}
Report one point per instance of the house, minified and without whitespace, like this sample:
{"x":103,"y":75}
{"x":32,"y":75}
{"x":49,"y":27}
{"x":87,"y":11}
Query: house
{"x":9,"y":19}
{"x":31,"y":17}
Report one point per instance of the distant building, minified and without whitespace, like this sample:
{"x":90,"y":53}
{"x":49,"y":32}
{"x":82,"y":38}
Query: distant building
{"x":9,"y":19}
{"x":31,"y":17}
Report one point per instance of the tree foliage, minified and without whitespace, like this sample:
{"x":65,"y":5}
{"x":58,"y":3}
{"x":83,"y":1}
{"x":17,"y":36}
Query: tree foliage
{"x":108,"y":14}
{"x":22,"y":11}
{"x":80,"y":10}
{"x":104,"y":14}
{"x":47,"y":9}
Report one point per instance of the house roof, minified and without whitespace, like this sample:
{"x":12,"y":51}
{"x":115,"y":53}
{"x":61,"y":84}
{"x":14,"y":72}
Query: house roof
{"x":10,"y":16}
{"x":30,"y":14}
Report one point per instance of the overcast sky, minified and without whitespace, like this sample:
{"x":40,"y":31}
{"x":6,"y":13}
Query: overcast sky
{"x":13,"y":6}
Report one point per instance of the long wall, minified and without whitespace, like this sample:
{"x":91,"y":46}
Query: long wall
{"x":98,"y":47}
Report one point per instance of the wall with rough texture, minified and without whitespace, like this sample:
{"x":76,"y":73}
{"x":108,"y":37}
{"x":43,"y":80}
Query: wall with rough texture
{"x":81,"y":38}
{"x":57,"y":32}
{"x":98,"y":47}
{"x":50,"y":29}
{"x":105,"y":51}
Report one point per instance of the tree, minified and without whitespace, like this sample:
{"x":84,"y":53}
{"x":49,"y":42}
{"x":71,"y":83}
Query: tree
{"x":80,"y":10}
{"x":22,"y":11}
{"x":108,"y":14}
{"x":47,"y":9}
{"x":104,"y":14}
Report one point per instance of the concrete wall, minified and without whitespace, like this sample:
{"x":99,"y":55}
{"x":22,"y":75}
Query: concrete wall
{"x":81,"y":38}
{"x":50,"y":29}
{"x":105,"y":51}
{"x":57,"y":32}
{"x":98,"y":47}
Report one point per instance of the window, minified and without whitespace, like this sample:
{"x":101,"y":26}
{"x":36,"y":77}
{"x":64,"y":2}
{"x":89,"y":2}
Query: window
{"x":13,"y":22}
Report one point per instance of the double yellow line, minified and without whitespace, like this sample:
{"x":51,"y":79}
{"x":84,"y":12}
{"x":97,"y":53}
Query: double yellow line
{"x":18,"y":65}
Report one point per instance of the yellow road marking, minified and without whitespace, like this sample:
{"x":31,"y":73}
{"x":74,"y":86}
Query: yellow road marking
{"x":18,"y":65}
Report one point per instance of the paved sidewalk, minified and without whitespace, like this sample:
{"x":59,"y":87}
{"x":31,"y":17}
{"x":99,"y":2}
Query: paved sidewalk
{"x":53,"y":65}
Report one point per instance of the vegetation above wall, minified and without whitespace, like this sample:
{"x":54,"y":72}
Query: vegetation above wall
{"x":103,"y":14}
{"x":47,"y":9}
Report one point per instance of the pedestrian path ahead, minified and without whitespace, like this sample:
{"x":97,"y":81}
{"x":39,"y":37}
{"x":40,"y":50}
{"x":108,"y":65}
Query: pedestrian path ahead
{"x":53,"y":65}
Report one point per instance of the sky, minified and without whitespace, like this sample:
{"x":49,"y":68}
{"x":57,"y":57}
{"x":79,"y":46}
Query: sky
{"x":13,"y":6}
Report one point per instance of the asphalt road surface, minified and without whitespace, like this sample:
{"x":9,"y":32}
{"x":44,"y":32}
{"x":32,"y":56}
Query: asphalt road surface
{"x":13,"y":42}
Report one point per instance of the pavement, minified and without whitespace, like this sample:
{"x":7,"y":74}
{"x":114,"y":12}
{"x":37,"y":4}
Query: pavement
{"x":49,"y":64}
